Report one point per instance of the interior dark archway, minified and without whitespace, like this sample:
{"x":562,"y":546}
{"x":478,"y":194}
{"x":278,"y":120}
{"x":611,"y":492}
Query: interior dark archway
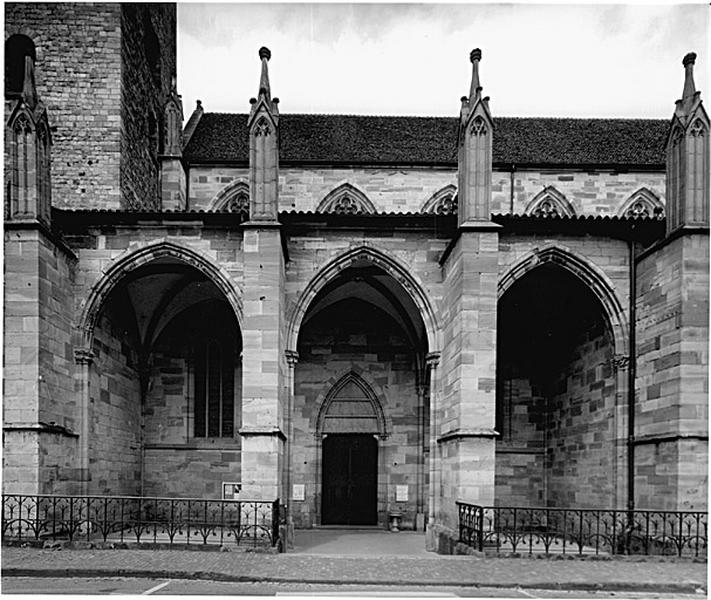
{"x":166,"y":375}
{"x":555,"y":394}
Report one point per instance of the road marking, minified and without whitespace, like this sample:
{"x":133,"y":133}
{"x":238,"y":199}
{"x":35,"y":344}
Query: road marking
{"x":160,"y":586}
{"x":525,"y":593}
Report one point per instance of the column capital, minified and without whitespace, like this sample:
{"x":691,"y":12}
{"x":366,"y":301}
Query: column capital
{"x":83,"y":356}
{"x":620,"y":361}
{"x":292,"y":357}
{"x":432,"y":359}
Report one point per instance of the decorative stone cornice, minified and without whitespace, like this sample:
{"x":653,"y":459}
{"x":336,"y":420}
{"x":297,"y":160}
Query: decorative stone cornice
{"x":83,"y":356}
{"x":41,"y":427}
{"x":457,"y":434}
{"x":262,"y":431}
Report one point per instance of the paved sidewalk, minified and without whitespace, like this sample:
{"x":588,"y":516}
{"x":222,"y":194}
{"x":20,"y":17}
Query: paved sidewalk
{"x":623,"y":575}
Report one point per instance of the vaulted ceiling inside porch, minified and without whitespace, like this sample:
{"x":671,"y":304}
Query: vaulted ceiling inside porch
{"x":161,"y":290}
{"x":370,"y":284}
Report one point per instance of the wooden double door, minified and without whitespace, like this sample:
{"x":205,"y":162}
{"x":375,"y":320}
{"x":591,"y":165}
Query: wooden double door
{"x":350,"y":480}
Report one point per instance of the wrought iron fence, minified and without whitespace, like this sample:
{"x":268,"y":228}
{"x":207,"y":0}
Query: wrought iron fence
{"x":155,"y":521}
{"x":524,"y":530}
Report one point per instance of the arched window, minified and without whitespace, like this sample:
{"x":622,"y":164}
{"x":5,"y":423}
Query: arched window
{"x":214,"y":389}
{"x":17,"y":47}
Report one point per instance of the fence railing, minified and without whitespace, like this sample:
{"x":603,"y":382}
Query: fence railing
{"x":171,"y":521}
{"x":524,"y":530}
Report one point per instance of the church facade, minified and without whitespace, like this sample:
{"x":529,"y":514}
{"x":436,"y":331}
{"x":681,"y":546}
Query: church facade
{"x":357,"y":315}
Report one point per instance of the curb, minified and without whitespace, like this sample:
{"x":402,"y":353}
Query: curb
{"x":610,"y":586}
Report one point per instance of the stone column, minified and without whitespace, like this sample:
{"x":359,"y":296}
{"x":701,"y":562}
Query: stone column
{"x":83,"y":357}
{"x":430,"y":539}
{"x":292,"y":357}
{"x":620,"y":463}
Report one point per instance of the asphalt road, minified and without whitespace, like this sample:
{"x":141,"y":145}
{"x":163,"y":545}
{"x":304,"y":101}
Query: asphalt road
{"x":141,"y":586}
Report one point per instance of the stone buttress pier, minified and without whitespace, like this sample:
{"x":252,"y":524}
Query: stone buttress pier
{"x":264,"y":364}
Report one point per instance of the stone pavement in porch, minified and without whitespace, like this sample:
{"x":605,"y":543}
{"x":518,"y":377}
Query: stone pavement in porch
{"x":682,"y":576}
{"x":360,"y":542}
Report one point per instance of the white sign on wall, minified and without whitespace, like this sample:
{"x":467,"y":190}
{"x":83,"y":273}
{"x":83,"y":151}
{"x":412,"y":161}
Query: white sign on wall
{"x":298,"y":492}
{"x":231,"y":490}
{"x":401,"y":493}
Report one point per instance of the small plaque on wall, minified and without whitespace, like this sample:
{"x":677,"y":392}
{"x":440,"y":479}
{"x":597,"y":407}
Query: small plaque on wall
{"x":401,"y":493}
{"x":231,"y":490}
{"x":298,"y":492}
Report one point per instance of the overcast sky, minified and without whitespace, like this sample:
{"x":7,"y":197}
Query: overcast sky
{"x":413,"y":59}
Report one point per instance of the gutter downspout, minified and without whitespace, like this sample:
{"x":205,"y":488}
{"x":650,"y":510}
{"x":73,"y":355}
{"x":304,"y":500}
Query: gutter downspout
{"x":632,"y":375}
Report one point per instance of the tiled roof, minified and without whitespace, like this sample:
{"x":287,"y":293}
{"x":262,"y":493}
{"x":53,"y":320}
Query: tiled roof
{"x":352,"y":139}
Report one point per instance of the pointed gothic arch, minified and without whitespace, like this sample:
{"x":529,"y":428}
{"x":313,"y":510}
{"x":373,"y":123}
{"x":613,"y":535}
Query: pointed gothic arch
{"x":134,"y":259}
{"x":387,"y":263}
{"x":549,"y":202}
{"x":642,"y":204}
{"x":442,"y":202}
{"x":350,"y":405}
{"x":346,"y":199}
{"x":234,"y":197}
{"x":589,"y":274}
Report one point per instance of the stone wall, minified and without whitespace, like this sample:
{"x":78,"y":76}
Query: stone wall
{"x":404,"y":190}
{"x":148,"y":64}
{"x":581,"y":467}
{"x":39,"y":409}
{"x":78,"y":71}
{"x":521,"y":447}
{"x":672,"y":375}
{"x":115,"y":427}
{"x":176,"y":462}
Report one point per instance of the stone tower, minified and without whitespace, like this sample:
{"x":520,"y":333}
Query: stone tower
{"x":106,"y":111}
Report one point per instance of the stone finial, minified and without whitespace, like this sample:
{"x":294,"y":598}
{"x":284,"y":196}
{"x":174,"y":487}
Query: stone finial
{"x":264,"y":88}
{"x":198,"y":104}
{"x":689,"y":86}
{"x":475,"y":91}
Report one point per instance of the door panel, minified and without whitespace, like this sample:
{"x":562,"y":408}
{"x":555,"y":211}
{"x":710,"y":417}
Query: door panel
{"x":350,"y":477}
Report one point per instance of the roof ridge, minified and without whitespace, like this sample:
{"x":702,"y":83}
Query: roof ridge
{"x":449,"y":117}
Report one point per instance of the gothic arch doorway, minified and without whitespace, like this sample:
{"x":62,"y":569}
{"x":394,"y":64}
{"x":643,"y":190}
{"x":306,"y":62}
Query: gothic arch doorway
{"x":363,"y":322}
{"x":350,"y":423}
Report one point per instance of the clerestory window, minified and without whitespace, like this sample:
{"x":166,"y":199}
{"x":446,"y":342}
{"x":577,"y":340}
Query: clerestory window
{"x":214,"y":369}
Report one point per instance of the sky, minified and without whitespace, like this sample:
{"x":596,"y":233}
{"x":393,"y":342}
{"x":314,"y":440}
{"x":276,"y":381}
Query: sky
{"x":609,"y":60}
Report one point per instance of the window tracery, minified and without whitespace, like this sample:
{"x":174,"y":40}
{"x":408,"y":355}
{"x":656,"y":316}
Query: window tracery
{"x":346,"y":200}
{"x":478,"y":127}
{"x":550,"y":203}
{"x":643,"y":204}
